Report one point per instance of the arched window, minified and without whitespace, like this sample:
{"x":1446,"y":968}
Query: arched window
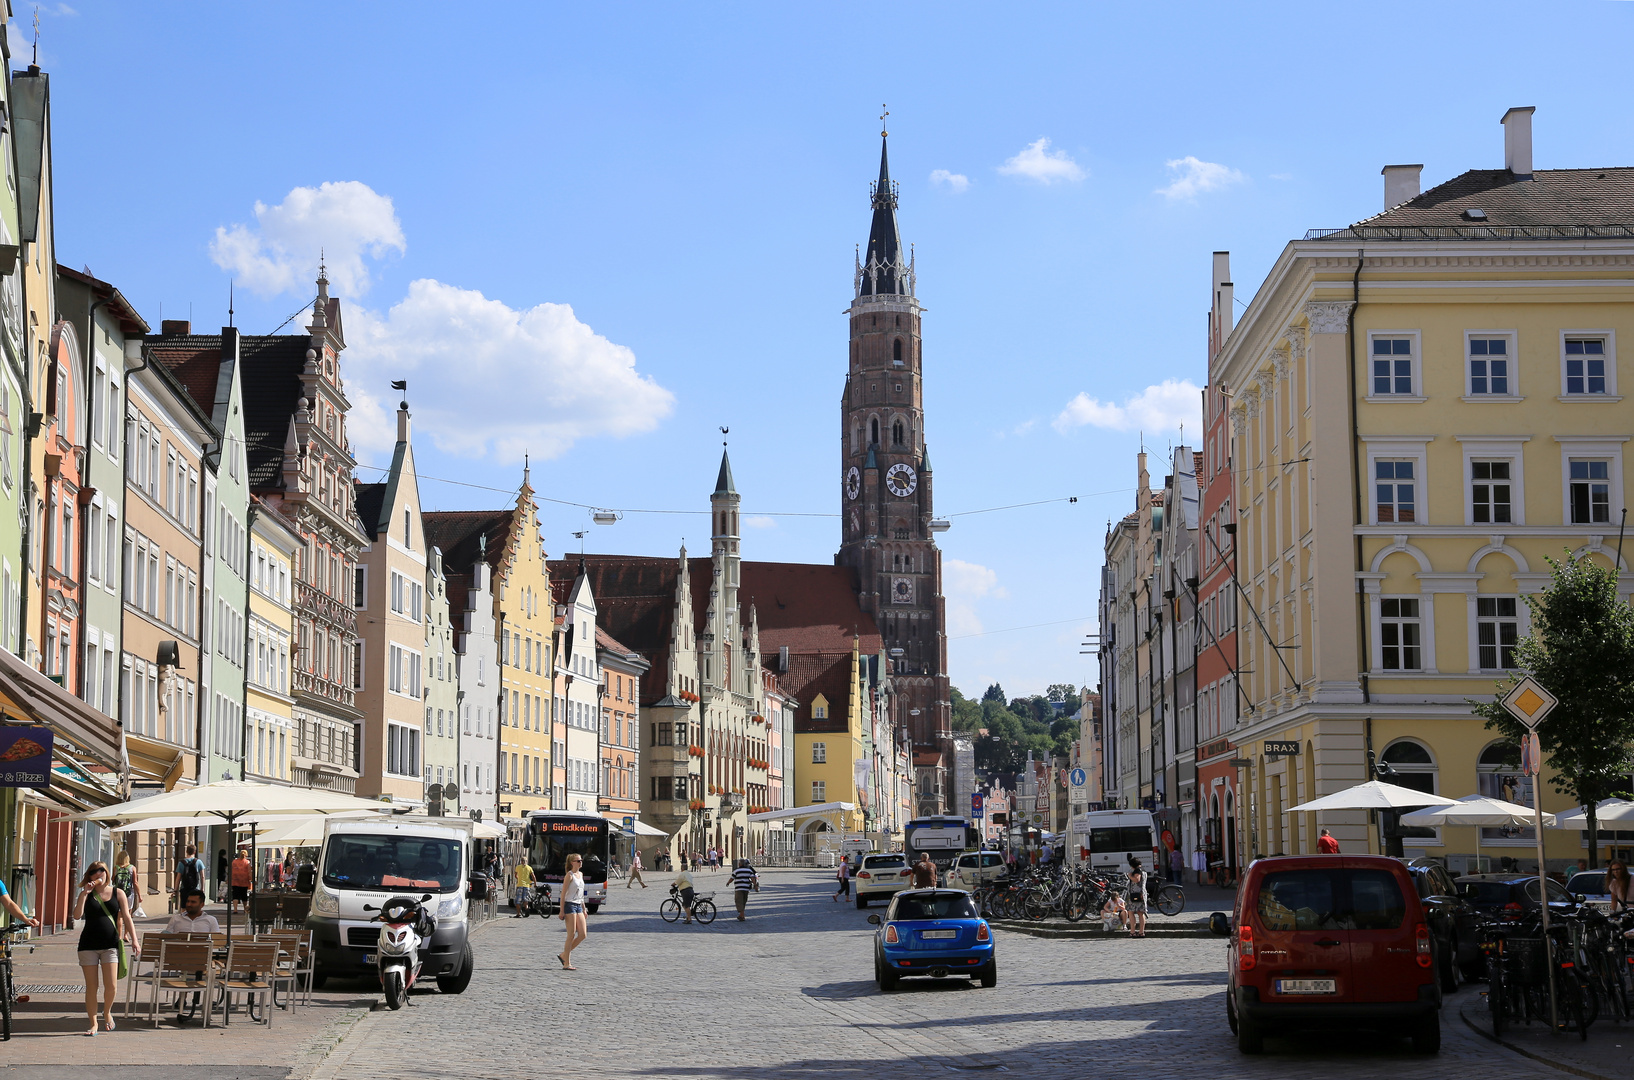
{"x":873,"y":432}
{"x":896,"y":433}
{"x":1412,"y":765}
{"x":896,"y":351}
{"x":1498,"y":776}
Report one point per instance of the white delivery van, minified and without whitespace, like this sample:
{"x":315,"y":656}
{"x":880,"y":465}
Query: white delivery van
{"x":367,"y":861}
{"x":1113,"y":837}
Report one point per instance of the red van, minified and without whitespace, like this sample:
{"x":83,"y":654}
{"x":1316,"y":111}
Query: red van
{"x":1331,"y":941}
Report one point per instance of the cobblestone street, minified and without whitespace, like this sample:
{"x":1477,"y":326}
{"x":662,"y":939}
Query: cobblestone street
{"x":791,"y":991}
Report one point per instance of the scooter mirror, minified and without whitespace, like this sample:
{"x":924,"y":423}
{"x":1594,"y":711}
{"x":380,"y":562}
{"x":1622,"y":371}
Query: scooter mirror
{"x":370,"y":907}
{"x":424,"y":898}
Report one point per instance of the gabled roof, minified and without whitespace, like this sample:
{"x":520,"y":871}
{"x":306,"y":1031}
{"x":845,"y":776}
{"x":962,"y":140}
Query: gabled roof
{"x":458,"y":535}
{"x":270,"y":382}
{"x":195,"y":361}
{"x":370,"y":498}
{"x":1551,"y":204}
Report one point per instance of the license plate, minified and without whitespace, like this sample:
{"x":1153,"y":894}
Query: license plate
{"x":1306,"y":986}
{"x":368,"y":958}
{"x":938,"y":933}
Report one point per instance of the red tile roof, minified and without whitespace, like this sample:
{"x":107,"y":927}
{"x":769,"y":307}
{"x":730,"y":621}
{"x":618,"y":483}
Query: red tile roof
{"x":195,"y":361}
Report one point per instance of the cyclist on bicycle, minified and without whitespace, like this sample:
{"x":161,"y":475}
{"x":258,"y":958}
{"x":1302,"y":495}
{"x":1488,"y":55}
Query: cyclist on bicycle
{"x":683,"y":881}
{"x":17,"y":913}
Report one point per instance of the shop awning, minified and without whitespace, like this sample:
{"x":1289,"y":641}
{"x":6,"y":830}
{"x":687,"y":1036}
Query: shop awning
{"x":28,"y":696}
{"x":802,"y":811}
{"x":154,"y":760}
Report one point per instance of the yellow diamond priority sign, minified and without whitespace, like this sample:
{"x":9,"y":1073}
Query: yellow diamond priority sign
{"x":1529,"y":702}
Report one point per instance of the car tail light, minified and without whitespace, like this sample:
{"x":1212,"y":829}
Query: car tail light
{"x":1422,"y":938}
{"x":865,"y":874}
{"x":890,"y":934}
{"x":905,"y":873}
{"x":1245,"y":948}
{"x":982,"y":933}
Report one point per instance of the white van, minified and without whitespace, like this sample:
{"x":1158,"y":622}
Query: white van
{"x":367,"y":861}
{"x":1113,"y":837}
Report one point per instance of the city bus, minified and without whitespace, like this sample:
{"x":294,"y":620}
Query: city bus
{"x":551,"y":836}
{"x":943,"y":835}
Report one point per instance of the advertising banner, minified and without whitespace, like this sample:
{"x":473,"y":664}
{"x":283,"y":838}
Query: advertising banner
{"x":25,"y":757}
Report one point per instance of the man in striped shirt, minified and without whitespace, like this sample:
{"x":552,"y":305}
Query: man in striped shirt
{"x":744,"y":879}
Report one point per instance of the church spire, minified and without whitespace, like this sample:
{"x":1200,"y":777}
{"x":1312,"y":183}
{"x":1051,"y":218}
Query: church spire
{"x":882,"y":271}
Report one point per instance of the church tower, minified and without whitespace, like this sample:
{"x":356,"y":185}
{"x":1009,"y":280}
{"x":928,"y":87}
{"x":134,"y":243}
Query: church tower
{"x":885,"y":489}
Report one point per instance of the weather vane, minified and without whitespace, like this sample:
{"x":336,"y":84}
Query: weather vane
{"x":36,"y":35}
{"x":883,"y":114}
{"x":725,"y":431}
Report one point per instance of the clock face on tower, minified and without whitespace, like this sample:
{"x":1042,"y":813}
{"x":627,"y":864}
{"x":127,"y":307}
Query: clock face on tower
{"x":900,"y":480}
{"x":853,"y":482}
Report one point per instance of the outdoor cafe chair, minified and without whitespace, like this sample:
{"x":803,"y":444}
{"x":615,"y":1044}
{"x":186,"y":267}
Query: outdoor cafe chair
{"x":149,"y":957}
{"x":191,"y":970}
{"x":294,"y":948}
{"x":251,"y":969}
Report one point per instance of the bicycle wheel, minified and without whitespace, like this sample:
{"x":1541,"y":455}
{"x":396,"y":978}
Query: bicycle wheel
{"x":704,"y":911}
{"x":5,"y":1000}
{"x":1036,"y":906}
{"x":1076,"y":905}
{"x":1497,"y":997}
{"x":670,"y":910}
{"x":1171,"y":900}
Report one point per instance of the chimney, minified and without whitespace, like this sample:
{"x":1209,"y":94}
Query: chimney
{"x":1400,"y":183}
{"x":1224,"y":307}
{"x":403,"y":423}
{"x":168,"y":327}
{"x":1517,"y":124}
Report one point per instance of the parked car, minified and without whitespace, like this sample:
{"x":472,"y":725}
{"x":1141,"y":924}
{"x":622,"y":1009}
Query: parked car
{"x":1454,"y":923}
{"x":1591,"y":886}
{"x":1509,"y":894}
{"x":880,"y":877}
{"x":975,"y":868}
{"x":934,"y":932}
{"x":1324,"y":941}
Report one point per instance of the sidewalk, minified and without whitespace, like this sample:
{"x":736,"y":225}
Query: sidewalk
{"x":1603,"y":1056}
{"x":48,"y":1038}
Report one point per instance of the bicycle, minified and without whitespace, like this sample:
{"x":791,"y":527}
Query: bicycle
{"x":8,"y":986}
{"x":703,"y":907}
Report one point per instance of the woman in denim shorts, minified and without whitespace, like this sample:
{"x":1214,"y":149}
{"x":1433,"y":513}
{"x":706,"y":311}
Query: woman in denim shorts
{"x":106,"y":918}
{"x":572,"y":910}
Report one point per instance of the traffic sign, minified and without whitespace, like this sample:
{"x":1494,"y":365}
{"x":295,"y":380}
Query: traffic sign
{"x":976,"y":804}
{"x":1529,"y":702}
{"x":1079,"y":777}
{"x":629,"y":823}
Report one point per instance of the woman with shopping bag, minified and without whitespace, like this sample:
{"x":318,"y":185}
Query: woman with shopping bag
{"x":102,"y":940}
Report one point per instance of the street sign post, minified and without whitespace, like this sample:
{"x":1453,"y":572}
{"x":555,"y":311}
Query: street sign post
{"x":1528,"y":702}
{"x":1078,"y":786}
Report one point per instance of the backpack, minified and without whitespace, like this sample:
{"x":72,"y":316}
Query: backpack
{"x":191,"y":871}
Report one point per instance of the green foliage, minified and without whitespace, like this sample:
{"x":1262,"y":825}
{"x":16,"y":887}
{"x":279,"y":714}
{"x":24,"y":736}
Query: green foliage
{"x":1011,"y":729}
{"x":1581,"y":649}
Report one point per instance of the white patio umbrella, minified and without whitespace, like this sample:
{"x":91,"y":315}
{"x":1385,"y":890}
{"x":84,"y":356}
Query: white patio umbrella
{"x":302,"y":831}
{"x":227,"y":802}
{"x":1480,"y":811}
{"x":1604,"y":811}
{"x":1373,"y":795}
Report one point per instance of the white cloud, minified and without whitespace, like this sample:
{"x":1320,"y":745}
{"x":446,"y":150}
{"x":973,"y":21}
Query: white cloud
{"x":958,"y":182}
{"x":1037,"y":162}
{"x":760,"y":521}
{"x":964,"y":583}
{"x":1195,"y":177}
{"x":486,"y":380}
{"x":339,"y":221}
{"x":1160,"y":408}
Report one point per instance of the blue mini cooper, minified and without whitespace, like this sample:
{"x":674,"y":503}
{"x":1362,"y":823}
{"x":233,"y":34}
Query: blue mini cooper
{"x":934,"y":932}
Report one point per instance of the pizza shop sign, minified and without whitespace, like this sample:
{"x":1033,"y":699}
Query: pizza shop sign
{"x":25,"y":757}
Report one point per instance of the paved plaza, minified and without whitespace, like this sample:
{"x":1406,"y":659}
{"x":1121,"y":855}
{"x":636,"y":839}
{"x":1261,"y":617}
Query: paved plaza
{"x":790,"y":992}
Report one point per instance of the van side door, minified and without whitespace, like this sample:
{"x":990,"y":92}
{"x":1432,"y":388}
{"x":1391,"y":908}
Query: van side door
{"x":1384,"y":919}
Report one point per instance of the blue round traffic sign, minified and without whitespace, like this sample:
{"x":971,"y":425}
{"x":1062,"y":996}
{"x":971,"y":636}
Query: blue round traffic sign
{"x":1079,"y":777}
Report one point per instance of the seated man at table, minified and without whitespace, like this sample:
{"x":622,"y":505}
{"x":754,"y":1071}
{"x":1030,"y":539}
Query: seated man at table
{"x":191,"y":919}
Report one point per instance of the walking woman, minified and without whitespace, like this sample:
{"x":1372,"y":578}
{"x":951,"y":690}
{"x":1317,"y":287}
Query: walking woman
{"x":107,"y":922}
{"x":1137,"y":900}
{"x":572,"y":910}
{"x":843,"y":876}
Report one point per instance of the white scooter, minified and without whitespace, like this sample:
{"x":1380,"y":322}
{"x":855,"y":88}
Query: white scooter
{"x":405,"y":925}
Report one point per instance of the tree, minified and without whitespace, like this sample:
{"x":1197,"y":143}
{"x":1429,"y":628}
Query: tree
{"x":1061,"y":691}
{"x":1581,"y":649}
{"x":994,"y":693}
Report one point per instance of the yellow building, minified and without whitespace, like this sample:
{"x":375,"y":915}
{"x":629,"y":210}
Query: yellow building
{"x":828,"y":732}
{"x":269,"y":725}
{"x":1424,"y":407}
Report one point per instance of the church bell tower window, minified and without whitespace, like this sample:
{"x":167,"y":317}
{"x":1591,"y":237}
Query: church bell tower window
{"x":896,"y":350}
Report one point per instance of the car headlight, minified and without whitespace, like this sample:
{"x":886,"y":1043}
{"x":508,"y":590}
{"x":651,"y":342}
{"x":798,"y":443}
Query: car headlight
{"x":325,"y":902}
{"x":450,"y":907}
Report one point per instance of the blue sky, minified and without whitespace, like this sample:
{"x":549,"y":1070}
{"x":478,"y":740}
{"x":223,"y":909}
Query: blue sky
{"x":596,"y":233}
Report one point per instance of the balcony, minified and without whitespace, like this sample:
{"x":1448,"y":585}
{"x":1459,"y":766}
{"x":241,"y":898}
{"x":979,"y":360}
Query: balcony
{"x":324,"y":608}
{"x":307,"y":683}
